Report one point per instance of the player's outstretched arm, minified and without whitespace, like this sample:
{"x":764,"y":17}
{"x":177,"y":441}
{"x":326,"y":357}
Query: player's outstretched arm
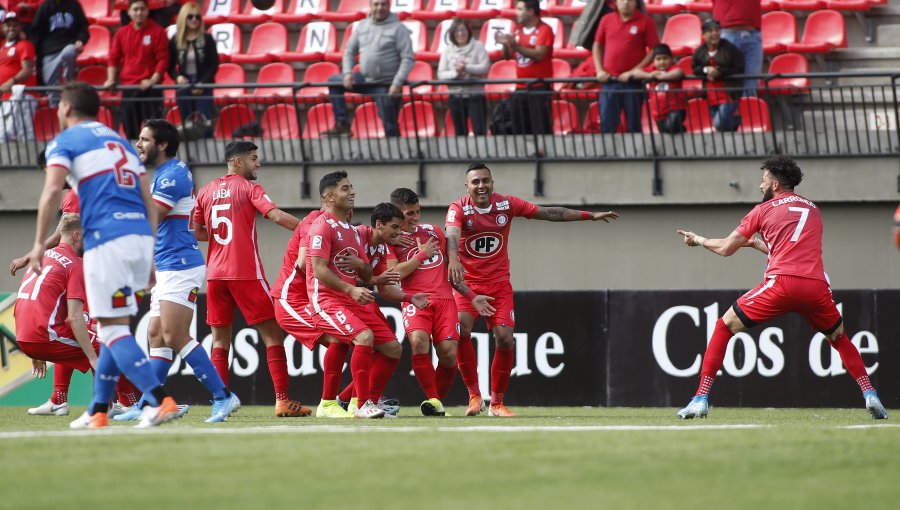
{"x":50,"y":242}
{"x":557,"y":214}
{"x":286,"y":220}
{"x":79,"y":328}
{"x":454,"y":265}
{"x":48,"y":204}
{"x":724,"y":247}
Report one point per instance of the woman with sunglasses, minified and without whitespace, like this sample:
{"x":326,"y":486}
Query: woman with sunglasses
{"x":464,"y":58}
{"x":193,"y":60}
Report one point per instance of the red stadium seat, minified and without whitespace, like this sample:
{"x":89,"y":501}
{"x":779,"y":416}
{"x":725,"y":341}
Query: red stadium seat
{"x":97,"y":12}
{"x":500,"y":70}
{"x":347,"y":11}
{"x":96,"y":51}
{"x":232,"y":117}
{"x":779,"y":28}
{"x":769,"y":5}
{"x":440,"y":10}
{"x":592,"y":119}
{"x":96,"y":76}
{"x":824,"y":32}
{"x":228,"y":40}
{"x":484,"y":9}
{"x":421,"y":71}
{"x":849,"y":5}
{"x":220,"y":11}
{"x":227,"y":74}
{"x":565,"y":118}
{"x":366,"y":122}
{"x":317,"y":73}
{"x":276,"y":72}
{"x":405,"y":8}
{"x":693,"y":86}
{"x":437,"y":43}
{"x":789,"y":63}
{"x":682,"y":33}
{"x":173,"y":116}
{"x":450,"y":128}
{"x":168,"y":94}
{"x":698,"y":119}
{"x":302,"y":11}
{"x":105,"y":117}
{"x":280,"y":121}
{"x":46,"y":124}
{"x":699,"y":6}
{"x":267,"y":43}
{"x":418,"y":119}
{"x":566,"y":8}
{"x":319,"y":118}
{"x":801,"y":5}
{"x":338,"y":56}
{"x":755,"y":116}
{"x":418,"y":34}
{"x":316,"y":39}
{"x":559,"y":35}
{"x":561,"y":69}
{"x":667,"y":6}
{"x":488,"y":34}
{"x":252,"y":15}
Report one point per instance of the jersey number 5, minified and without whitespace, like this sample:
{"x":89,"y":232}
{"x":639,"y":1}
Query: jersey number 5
{"x":221,"y":220}
{"x":804,"y":213}
{"x":125,"y":177}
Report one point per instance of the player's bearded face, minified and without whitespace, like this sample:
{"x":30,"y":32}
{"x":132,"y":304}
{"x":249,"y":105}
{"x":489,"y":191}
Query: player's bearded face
{"x":766,"y":187}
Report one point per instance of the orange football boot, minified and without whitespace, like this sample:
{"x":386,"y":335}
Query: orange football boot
{"x":476,"y":405}
{"x":290,"y":409}
{"x":500,"y":410}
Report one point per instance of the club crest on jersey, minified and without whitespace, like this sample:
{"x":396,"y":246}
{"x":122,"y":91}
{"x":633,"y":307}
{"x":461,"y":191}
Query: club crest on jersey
{"x":484,"y":245}
{"x":502,"y":219}
{"x":192,"y":295}
{"x":120,"y":297}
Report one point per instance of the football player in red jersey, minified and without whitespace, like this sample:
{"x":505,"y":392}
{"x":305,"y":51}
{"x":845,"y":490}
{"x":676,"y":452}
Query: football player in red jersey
{"x":790,"y":227}
{"x":477,"y":238}
{"x":897,"y":227}
{"x":225,"y":216}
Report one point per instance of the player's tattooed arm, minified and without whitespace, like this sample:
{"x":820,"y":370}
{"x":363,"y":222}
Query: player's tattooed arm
{"x":286,"y":220}
{"x":724,"y":247}
{"x":482,"y":303}
{"x":453,"y":263}
{"x":757,"y":244}
{"x":558,"y":214}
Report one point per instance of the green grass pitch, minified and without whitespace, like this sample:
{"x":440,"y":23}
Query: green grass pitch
{"x":548,"y":458}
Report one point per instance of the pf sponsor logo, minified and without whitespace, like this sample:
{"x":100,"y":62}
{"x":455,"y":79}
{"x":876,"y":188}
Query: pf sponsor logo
{"x":351,"y":273}
{"x":484,"y":245}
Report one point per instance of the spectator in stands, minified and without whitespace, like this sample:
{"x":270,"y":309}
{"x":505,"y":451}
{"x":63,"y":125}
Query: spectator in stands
{"x":532,"y":47}
{"x":193,"y":60}
{"x":714,"y":60}
{"x":386,"y":57}
{"x":622,"y":45}
{"x":741,"y":21}
{"x":161,"y":11}
{"x":668,"y":106}
{"x":139,"y":56}
{"x":25,"y":11}
{"x":16,"y":73}
{"x":59,"y":32}
{"x":464,"y":58}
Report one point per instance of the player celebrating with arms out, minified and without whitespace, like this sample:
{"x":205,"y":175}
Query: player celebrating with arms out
{"x":795,"y":280}
{"x":477,"y":239}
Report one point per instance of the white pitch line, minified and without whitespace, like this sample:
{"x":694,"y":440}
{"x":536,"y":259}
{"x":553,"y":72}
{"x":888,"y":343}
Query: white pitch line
{"x":874,"y":426}
{"x":329,"y":429}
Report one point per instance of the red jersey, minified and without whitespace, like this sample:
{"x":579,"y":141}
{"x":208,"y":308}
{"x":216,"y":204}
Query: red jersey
{"x":327,"y":238}
{"x":227,"y":207}
{"x":432,"y":275}
{"x":11,"y":58}
{"x":791,"y":226}
{"x":625,"y":43}
{"x":291,"y":283}
{"x":735,"y":13}
{"x":484,"y":234}
{"x":665,"y":96}
{"x":378,"y":255}
{"x":70,"y":204}
{"x":539,"y":35}
{"x":41,"y":310}
{"x":138,"y":53}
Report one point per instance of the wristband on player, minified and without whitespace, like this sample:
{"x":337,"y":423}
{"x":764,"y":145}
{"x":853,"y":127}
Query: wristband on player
{"x":586,"y":215}
{"x":471,"y":295}
{"x":422,"y":256}
{"x":407,"y":297}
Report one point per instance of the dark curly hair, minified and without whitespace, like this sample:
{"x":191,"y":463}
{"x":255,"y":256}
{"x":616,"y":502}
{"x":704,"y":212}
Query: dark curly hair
{"x":385,"y":212}
{"x":404,"y":196}
{"x":784,"y":170}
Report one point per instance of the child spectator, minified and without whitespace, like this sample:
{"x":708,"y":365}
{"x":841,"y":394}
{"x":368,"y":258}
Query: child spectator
{"x":667,"y":102}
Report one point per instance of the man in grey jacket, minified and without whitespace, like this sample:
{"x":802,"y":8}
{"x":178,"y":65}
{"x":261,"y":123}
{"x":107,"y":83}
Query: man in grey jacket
{"x":385,"y":59}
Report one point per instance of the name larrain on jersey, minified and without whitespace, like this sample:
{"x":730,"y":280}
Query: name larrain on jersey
{"x":792,"y":199}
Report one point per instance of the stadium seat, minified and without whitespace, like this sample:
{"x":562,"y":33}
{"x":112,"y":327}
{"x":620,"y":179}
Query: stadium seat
{"x":488,"y":34}
{"x":46,"y":124}
{"x":317,"y":73}
{"x":559,"y":32}
{"x":849,"y":5}
{"x":682,"y":33}
{"x":220,"y":11}
{"x":347,"y":11}
{"x":232,"y":117}
{"x":252,"y":15}
{"x":418,"y":119}
{"x":698,"y":119}
{"x":275,"y":72}
{"x":96,"y":51}
{"x":565,"y":117}
{"x":450,"y":128}
{"x":366,"y":122}
{"x":96,"y":76}
{"x":316,"y":39}
{"x":824,"y":32}
{"x":302,"y":11}
{"x":566,"y":8}
{"x":319,"y":118}
{"x":699,"y":6}
{"x":500,"y":70}
{"x":572,"y":52}
{"x":173,"y":116}
{"x":692,"y":86}
{"x":666,"y":7}
{"x":421,"y":71}
{"x":168,"y":94}
{"x":561,"y":69}
{"x":280,"y":121}
{"x":440,"y":10}
{"x":97,"y":12}
{"x":788,"y":63}
{"x":801,"y":5}
{"x":418,"y":34}
{"x":405,"y":8}
{"x":227,"y":74}
{"x":338,"y":56}
{"x":437,"y":43}
{"x":592,"y":119}
{"x":268,"y":42}
{"x":105,"y":117}
{"x":228,"y":40}
{"x":779,"y":28}
{"x":483,"y":9}
{"x":754,"y":116}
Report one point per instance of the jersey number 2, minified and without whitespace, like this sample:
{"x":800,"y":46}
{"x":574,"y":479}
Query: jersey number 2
{"x":124,"y":176}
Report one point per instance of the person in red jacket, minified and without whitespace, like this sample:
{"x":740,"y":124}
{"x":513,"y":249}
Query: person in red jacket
{"x":139,"y":55}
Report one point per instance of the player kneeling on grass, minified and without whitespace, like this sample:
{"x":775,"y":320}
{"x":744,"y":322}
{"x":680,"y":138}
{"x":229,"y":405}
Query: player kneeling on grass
{"x":795,"y":280}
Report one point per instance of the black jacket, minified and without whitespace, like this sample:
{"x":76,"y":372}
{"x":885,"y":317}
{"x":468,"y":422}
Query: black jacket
{"x":207,"y":60}
{"x":729,"y":61}
{"x":57,"y":24}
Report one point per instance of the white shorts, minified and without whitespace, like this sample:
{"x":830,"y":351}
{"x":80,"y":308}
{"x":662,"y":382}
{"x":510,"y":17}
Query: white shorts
{"x":114,"y":271}
{"x":179,"y":287}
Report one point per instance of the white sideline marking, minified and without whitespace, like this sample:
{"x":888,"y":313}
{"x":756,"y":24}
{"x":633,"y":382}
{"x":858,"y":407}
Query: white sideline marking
{"x":874,"y":426}
{"x":318,"y":429}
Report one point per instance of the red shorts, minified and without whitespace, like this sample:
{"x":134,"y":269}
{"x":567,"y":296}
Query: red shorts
{"x":251,"y":296}
{"x":784,"y":294}
{"x":59,"y":353}
{"x":344,"y":322}
{"x":295,"y":321}
{"x":502,"y":293}
{"x":439,"y":320}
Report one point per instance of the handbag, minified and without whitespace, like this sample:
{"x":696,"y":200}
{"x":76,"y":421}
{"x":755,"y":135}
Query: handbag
{"x":194,"y":127}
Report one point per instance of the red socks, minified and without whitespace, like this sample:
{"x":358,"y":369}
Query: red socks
{"x":853,"y":361}
{"x":360,"y":367}
{"x":62,"y":376}
{"x":424,"y":370}
{"x":500,"y":369}
{"x":468,"y":364}
{"x":443,"y":380}
{"x":126,"y":392}
{"x":335,"y":355}
{"x":714,"y":356}
{"x":382,"y":369}
{"x":277,"y":361}
{"x":347,"y":394}
{"x":219,"y":358}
